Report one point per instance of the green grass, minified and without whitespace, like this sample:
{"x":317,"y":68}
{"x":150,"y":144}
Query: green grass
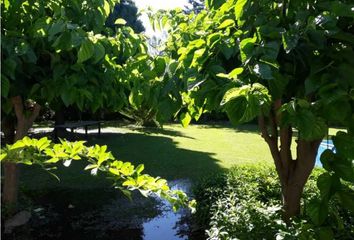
{"x":176,"y":152}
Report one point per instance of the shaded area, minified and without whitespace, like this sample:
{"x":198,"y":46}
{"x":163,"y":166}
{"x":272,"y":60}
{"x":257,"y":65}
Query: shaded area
{"x":160,"y":155}
{"x":81,"y":206}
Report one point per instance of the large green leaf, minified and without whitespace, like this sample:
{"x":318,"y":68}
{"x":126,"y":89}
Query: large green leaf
{"x":235,"y":110}
{"x":56,"y":28}
{"x":68,"y":96}
{"x":86,"y":51}
{"x":99,"y":52}
{"x":63,"y":42}
{"x":245,"y":103}
{"x":344,"y":143}
{"x":317,"y":211}
{"x":328,"y":185}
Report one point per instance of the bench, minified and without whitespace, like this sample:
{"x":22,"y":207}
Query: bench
{"x":72,"y":126}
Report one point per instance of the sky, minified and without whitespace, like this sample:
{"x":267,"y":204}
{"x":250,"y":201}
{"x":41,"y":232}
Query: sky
{"x":160,"y":4}
{"x":156,"y":5}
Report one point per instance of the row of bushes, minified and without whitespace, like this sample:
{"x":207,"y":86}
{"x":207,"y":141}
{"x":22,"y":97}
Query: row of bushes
{"x":245,"y":203}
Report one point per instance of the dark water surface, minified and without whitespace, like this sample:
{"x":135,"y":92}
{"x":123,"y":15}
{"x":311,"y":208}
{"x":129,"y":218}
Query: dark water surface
{"x":104,"y":214}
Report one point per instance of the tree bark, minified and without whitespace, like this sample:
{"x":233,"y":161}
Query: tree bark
{"x":293,"y":174}
{"x":11,"y":172}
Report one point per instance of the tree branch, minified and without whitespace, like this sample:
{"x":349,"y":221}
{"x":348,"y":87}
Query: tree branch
{"x":18,"y":106}
{"x":285,"y":148}
{"x":273,"y":146}
{"x":35,"y":113}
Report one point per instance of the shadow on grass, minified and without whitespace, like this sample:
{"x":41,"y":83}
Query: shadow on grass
{"x":163,"y":131}
{"x":246,"y":128}
{"x":160,"y":155}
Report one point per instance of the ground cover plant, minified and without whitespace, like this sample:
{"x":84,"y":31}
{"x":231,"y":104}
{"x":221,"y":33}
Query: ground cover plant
{"x":244,"y":204}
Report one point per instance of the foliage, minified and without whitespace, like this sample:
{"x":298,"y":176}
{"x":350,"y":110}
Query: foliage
{"x":60,"y":52}
{"x":126,"y":177}
{"x":338,"y":181}
{"x":153,"y":92}
{"x":295,"y":55}
{"x":244,"y":204}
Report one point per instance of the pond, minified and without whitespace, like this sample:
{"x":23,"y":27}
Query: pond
{"x":85,"y":217}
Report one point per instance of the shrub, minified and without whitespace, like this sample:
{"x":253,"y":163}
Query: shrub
{"x":245,"y":203}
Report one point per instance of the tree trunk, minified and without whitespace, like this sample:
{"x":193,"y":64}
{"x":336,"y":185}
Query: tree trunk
{"x":293,"y":174}
{"x":59,"y":116}
{"x":11,"y":172}
{"x":8,"y":128}
{"x":291,"y":201}
{"x":59,"y":120}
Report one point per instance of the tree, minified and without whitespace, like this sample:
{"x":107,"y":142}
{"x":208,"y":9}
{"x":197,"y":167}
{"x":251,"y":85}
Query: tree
{"x":59,"y":52}
{"x":287,"y":63}
{"x":154,"y":95}
{"x":126,"y":10}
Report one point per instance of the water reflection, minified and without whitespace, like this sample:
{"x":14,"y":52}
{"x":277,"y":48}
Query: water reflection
{"x":168,"y":224}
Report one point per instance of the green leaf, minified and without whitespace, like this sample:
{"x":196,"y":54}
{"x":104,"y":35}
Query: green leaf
{"x":56,"y":27}
{"x":9,"y":68}
{"x":63,"y":42}
{"x":338,"y":8}
{"x":324,"y":233}
{"x":344,"y":143}
{"x":239,"y":10}
{"x":198,"y":58}
{"x":160,"y":66}
{"x":127,"y":193}
{"x":213,"y":39}
{"x":6,"y":4}
{"x":246,"y":48}
{"x":86,"y":51}
{"x":245,"y":103}
{"x":317,"y":211}
{"x":139,"y":168}
{"x":235,"y":72}
{"x":185,"y":119}
{"x":347,"y":199}
{"x":328,"y":185}
{"x":3,"y":156}
{"x":120,"y":21}
{"x":289,"y":40}
{"x":99,"y":52}
{"x":68,"y":97}
{"x":263,"y":71}
{"x":106,"y":7}
{"x":227,"y":23}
